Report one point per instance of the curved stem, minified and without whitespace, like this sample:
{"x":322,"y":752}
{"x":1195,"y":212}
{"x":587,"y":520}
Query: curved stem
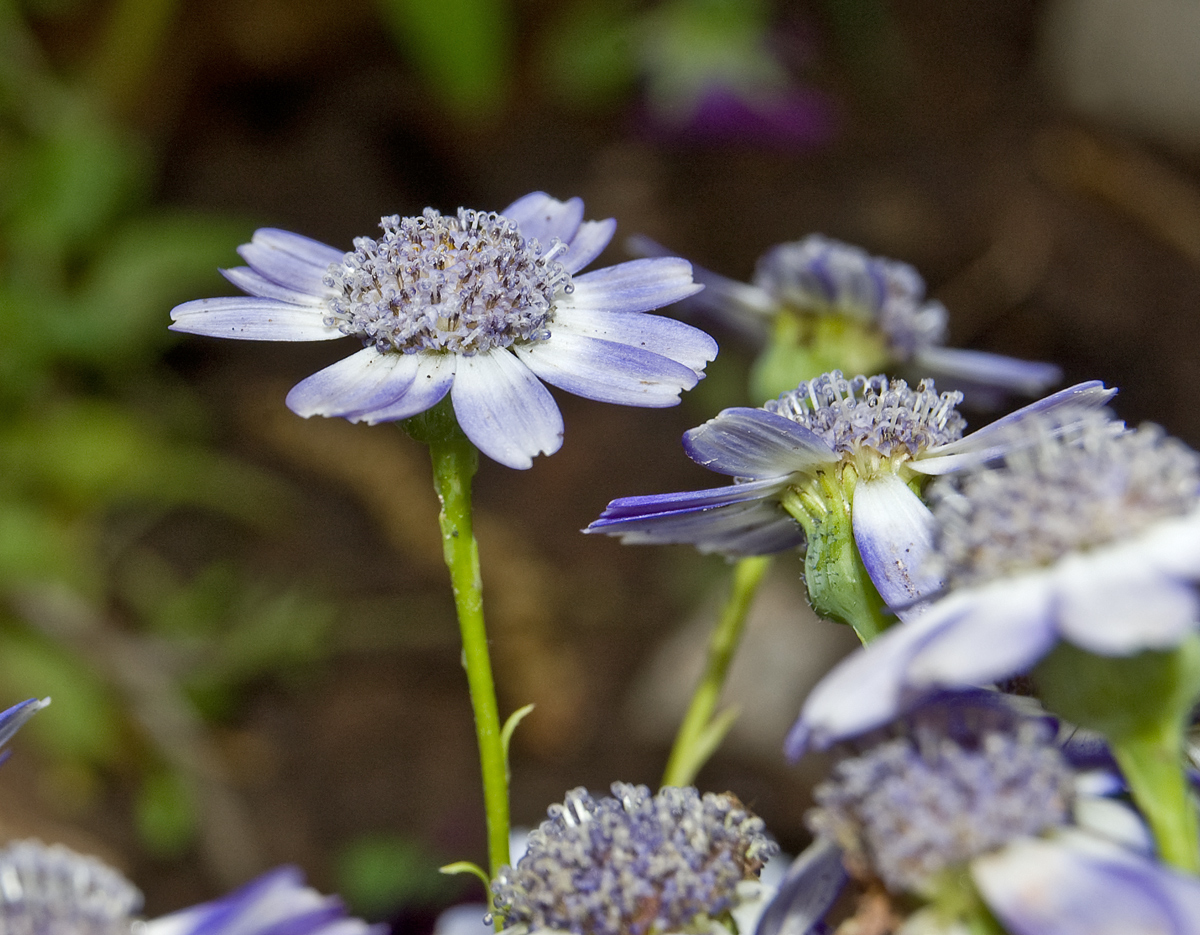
{"x":1151,"y":765}
{"x":454,"y":462}
{"x":699,"y":734}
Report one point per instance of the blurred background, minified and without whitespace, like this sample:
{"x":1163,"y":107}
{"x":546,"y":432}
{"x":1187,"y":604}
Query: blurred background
{"x":243,"y":617}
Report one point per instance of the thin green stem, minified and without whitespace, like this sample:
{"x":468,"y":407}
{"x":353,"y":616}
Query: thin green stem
{"x":1150,"y":763}
{"x":454,"y":462}
{"x":699,"y":734}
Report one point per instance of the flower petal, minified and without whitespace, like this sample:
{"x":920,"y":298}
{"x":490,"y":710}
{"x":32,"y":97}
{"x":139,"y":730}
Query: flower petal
{"x":812,"y":884}
{"x":1111,"y":603}
{"x":997,"y":438}
{"x":655,"y":333}
{"x":608,"y":372}
{"x":249,"y":281}
{"x":588,"y":243}
{"x":253,"y":319}
{"x":633,"y":286}
{"x":435,"y":375}
{"x":1173,"y":546}
{"x":291,"y":260}
{"x":745,"y":442}
{"x":504,"y":410}
{"x":540,"y":216}
{"x":1021,"y":376}
{"x":13,"y":719}
{"x":1070,"y":886}
{"x":894,"y":533}
{"x":992,"y":632}
{"x":365,"y":381}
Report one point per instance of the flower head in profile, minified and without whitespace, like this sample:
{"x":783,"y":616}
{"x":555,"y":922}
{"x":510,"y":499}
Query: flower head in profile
{"x":480,"y":306}
{"x":969,"y":792}
{"x":635,"y":864}
{"x":819,"y":303}
{"x":874,"y":438}
{"x":1087,"y":533}
{"x":51,"y":890}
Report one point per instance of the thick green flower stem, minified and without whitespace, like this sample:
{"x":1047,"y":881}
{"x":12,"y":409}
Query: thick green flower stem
{"x":1142,"y":704}
{"x":837,"y":581}
{"x":454,"y":462}
{"x":699,"y":733}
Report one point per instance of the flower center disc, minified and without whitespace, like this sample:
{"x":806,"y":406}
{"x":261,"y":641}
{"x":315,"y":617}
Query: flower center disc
{"x":464,"y":284}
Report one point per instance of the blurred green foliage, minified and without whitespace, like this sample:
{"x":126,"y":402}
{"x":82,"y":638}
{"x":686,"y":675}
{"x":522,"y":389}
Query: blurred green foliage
{"x":379,"y":873}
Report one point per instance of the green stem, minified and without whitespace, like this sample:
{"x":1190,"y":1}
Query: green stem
{"x":1151,"y":765}
{"x":454,"y":462}
{"x":699,"y":735}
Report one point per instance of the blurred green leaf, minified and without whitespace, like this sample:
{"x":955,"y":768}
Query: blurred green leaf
{"x":37,"y":545}
{"x":462,"y":48}
{"x":380,"y":873}
{"x":164,"y":814}
{"x":589,"y":55}
{"x":274,"y":633}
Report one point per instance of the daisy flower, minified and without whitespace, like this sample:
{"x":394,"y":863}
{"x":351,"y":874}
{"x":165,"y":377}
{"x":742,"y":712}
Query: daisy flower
{"x":480,"y":306}
{"x":878,"y":438}
{"x":1089,"y":533}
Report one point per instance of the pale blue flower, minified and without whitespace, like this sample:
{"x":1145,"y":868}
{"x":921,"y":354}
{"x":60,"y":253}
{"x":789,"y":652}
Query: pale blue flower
{"x":1088,"y":533}
{"x":51,"y":890}
{"x":483,"y":307}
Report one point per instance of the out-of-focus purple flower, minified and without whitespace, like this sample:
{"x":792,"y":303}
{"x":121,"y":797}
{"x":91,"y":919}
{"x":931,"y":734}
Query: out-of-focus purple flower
{"x":480,"y":306}
{"x":888,"y":435}
{"x":51,"y":890}
{"x":1089,"y":533}
{"x":13,"y":719}
{"x":795,"y":117}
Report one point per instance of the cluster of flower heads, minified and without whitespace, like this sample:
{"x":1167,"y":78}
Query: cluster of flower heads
{"x":634,"y":863}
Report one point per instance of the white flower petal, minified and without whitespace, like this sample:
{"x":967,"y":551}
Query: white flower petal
{"x":1115,"y":821}
{"x":435,"y":375}
{"x":303,"y":248}
{"x":634,"y":286}
{"x":291,"y":260}
{"x":588,"y":243}
{"x":1172,"y":546}
{"x":540,"y":216}
{"x":608,"y":372}
{"x":998,"y":630}
{"x":1113,"y":604}
{"x":365,"y":381}
{"x":744,"y":442}
{"x":655,"y":333}
{"x":979,"y":367}
{"x":253,"y":319}
{"x":894,"y":533}
{"x":249,"y":281}
{"x":504,"y":410}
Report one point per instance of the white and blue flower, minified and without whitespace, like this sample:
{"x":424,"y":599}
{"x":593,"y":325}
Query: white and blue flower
{"x":480,"y":306}
{"x":1088,"y":533}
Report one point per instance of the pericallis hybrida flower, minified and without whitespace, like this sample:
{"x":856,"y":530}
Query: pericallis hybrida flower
{"x":480,"y":306}
{"x":835,"y":464}
{"x":1089,"y":534}
{"x":636,"y":864}
{"x":51,"y":890}
{"x":970,"y":809}
{"x":820,"y":304}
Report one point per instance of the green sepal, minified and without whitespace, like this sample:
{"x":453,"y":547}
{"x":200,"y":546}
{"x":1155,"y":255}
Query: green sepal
{"x":436,"y":424}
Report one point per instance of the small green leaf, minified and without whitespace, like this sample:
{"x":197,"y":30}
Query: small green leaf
{"x":466,"y":866}
{"x":511,"y":725}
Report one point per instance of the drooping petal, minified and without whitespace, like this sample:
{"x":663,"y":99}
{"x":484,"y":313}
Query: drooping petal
{"x":249,"y":281}
{"x":607,"y":372}
{"x":865,"y":690}
{"x":993,"y":632}
{"x":1021,"y":376}
{"x":505,"y":410}
{"x":588,"y":243}
{"x":808,"y":890}
{"x":540,"y":216}
{"x":655,"y":333}
{"x":435,"y":375}
{"x":13,"y":719}
{"x":291,"y":260}
{"x":633,"y":286}
{"x":745,"y":442}
{"x":1114,"y":604}
{"x":253,"y":319}
{"x":740,"y":519}
{"x":894,"y":532}
{"x":998,"y":437}
{"x":1070,"y":885}
{"x":362,"y":382}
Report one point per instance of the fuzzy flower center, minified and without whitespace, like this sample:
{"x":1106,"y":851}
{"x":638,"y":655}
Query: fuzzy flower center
{"x":873,"y":419}
{"x":54,"y":891}
{"x":633,"y":864}
{"x":915,"y":806}
{"x":820,"y":276}
{"x":465,"y":284}
{"x":1096,"y":484}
